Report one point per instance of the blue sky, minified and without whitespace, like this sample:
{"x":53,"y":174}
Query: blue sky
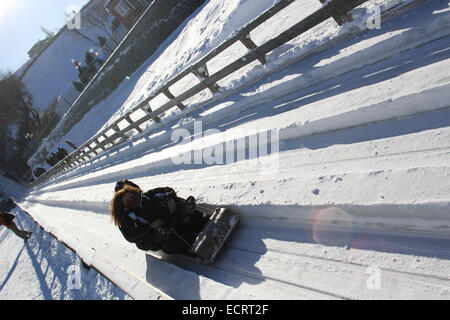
{"x":20,"y":26}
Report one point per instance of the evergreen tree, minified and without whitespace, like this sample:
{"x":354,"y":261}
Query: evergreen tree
{"x":19,"y":123}
{"x":78,"y":85}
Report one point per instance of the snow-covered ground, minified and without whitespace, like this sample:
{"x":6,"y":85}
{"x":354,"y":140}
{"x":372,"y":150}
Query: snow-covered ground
{"x":353,"y":206}
{"x":43,"y":267}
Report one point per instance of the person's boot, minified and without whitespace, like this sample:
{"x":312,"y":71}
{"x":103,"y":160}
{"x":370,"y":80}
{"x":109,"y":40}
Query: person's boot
{"x":26,"y":235}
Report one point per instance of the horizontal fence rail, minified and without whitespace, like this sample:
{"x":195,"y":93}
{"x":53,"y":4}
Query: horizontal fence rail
{"x":339,"y":10}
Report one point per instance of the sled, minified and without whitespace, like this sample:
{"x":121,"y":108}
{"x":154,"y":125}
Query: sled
{"x":211,"y":240}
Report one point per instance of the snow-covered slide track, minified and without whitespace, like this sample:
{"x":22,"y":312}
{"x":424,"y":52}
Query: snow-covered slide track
{"x":359,"y":205}
{"x":349,"y":63}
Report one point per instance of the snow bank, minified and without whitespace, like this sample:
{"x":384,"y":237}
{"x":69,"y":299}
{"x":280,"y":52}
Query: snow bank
{"x":44,"y":268}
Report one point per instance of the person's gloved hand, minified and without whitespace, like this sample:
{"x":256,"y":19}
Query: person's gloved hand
{"x":157,"y":224}
{"x":8,"y":218}
{"x":162,"y":234}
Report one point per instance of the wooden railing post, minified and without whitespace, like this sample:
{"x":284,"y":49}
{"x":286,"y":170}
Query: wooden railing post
{"x":248,"y":42}
{"x":148,"y":110}
{"x":202,"y":73}
{"x":116,"y":128}
{"x":132,"y":122}
{"x":92,"y":149}
{"x":119,"y":132}
{"x":339,"y":13}
{"x":98,"y":143}
{"x":169,"y":95}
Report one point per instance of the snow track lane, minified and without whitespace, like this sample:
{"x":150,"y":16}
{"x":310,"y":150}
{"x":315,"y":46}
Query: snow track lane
{"x":253,"y":261}
{"x":332,"y":169}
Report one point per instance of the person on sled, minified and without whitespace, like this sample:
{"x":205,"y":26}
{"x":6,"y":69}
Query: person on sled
{"x":157,"y":219}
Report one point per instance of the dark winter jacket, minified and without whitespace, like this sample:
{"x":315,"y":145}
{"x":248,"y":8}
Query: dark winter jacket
{"x":136,"y":221}
{"x":6,"y":219}
{"x":7,"y":205}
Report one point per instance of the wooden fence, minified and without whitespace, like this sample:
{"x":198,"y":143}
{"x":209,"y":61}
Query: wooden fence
{"x":339,"y":10}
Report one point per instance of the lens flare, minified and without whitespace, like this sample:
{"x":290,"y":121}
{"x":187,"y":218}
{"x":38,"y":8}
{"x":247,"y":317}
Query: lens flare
{"x":6,"y":8}
{"x":372,"y":242}
{"x":332,"y":227}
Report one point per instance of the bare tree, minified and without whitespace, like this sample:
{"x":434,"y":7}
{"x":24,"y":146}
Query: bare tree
{"x":50,"y":34}
{"x":97,"y":43}
{"x":97,"y":16}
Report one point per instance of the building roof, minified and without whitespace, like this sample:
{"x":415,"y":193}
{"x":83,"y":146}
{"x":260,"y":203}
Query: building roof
{"x":38,"y":47}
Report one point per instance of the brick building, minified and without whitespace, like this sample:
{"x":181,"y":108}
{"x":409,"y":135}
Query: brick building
{"x":127,"y":11}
